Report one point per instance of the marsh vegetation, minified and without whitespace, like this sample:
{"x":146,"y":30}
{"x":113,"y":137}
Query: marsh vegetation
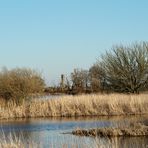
{"x":81,"y":105}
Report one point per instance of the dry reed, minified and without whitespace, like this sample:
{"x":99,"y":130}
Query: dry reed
{"x":13,"y":141}
{"x":134,"y":130}
{"x":82,"y":105}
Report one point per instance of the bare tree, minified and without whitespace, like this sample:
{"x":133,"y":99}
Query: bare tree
{"x":126,"y":68}
{"x":96,"y":78}
{"x":80,"y":80}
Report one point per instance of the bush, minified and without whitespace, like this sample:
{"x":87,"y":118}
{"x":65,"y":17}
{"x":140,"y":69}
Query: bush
{"x":17,"y":84}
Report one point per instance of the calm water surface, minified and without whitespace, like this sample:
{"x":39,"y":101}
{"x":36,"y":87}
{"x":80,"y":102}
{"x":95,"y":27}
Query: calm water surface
{"x":48,"y":132}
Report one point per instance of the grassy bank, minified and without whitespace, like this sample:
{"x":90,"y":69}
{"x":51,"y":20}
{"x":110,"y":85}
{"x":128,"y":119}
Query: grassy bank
{"x":83,"y":105}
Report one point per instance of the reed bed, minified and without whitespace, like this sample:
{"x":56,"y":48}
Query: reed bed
{"x":81,"y":105}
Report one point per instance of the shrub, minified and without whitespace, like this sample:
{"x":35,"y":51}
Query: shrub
{"x":17,"y":84}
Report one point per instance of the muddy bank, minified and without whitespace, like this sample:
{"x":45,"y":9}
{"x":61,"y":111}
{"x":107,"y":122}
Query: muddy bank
{"x":134,"y":130}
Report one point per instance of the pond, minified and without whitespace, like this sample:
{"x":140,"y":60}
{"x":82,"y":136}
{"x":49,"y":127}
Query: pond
{"x":48,"y":132}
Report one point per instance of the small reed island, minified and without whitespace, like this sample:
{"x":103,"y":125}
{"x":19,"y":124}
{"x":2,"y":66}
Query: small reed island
{"x":134,"y":130}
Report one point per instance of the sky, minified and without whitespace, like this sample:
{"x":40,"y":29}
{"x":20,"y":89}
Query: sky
{"x":56,"y":36}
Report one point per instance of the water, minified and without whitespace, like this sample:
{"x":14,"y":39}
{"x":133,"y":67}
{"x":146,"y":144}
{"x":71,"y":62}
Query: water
{"x":48,"y":132}
{"x":46,"y":97}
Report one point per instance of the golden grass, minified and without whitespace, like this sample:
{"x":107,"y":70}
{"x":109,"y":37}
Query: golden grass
{"x":12,"y":141}
{"x":82,"y":105}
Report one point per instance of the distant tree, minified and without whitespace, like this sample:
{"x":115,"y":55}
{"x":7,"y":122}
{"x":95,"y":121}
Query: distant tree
{"x":126,"y":68}
{"x":96,"y":78}
{"x":80,"y":80}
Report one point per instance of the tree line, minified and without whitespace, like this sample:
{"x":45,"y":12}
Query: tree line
{"x":123,"y":69}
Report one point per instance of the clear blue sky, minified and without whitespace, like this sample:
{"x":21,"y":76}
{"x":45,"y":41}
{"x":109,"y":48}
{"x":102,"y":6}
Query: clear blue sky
{"x":60,"y":35}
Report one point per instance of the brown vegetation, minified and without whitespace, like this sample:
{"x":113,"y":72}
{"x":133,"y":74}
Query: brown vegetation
{"x":82,"y":105}
{"x":16,"y":141}
{"x":136,"y":129}
{"x":17,"y":84}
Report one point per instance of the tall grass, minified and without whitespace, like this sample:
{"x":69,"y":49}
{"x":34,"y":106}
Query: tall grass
{"x":98,"y":142}
{"x":15,"y":141}
{"x":82,"y":105}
